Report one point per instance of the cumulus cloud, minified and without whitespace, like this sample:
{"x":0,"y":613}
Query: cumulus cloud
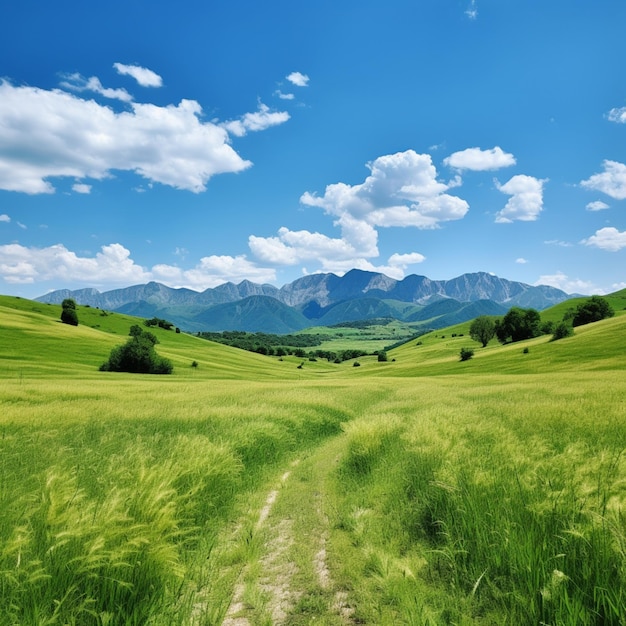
{"x":479,"y":160}
{"x":284,"y":96}
{"x":298,"y":79}
{"x":612,"y":181}
{"x":5,"y":218}
{"x":566,"y":284}
{"x":526,"y":200}
{"x":608,"y":238}
{"x":79,"y":83}
{"x":20,"y":264}
{"x":401,"y":190}
{"x":81,"y":188}
{"x":253,"y":122}
{"x":617,"y":115}
{"x":404,"y":260}
{"x":213,"y":271}
{"x":46,"y":134}
{"x":598,"y":205}
{"x":144,"y":76}
{"x":113,"y":266}
{"x":521,"y":261}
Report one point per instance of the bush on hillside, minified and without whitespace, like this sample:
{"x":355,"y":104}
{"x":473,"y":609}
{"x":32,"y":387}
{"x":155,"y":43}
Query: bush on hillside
{"x":68,"y":312}
{"x":137,"y":355}
{"x":518,"y":324}
{"x":466,"y":354}
{"x":594,"y":309}
{"x":562,"y":330}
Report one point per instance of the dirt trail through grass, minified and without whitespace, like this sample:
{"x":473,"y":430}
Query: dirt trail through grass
{"x":287,"y":578}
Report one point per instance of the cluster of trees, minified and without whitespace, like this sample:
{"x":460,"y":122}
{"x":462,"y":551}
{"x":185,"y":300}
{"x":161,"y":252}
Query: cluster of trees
{"x":68,"y":312}
{"x":156,"y":321}
{"x":520,"y":324}
{"x":265,"y":343}
{"x":138,"y":355}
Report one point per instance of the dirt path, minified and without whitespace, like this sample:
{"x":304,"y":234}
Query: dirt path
{"x":288,"y":579}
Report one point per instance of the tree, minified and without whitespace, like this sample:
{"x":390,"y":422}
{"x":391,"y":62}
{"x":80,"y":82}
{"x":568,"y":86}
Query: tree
{"x":594,"y":309}
{"x":466,"y":354}
{"x":518,"y":324}
{"x":68,"y":312}
{"x":382,"y":356}
{"x":562,"y":330}
{"x":137,"y":355}
{"x":483,"y":330}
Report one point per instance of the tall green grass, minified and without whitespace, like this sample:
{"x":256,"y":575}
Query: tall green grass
{"x":498,"y":503}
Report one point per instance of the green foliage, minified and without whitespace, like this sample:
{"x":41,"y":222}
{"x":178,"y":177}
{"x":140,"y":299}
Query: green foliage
{"x":562,"y":330}
{"x":68,"y":312}
{"x":156,"y":321}
{"x":137,"y":355}
{"x":594,"y":309}
{"x":466,"y":354}
{"x":518,"y":324}
{"x":483,"y":330}
{"x":382,"y":356}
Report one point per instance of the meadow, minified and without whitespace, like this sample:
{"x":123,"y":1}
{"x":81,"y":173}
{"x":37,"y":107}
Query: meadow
{"x":246,"y":490}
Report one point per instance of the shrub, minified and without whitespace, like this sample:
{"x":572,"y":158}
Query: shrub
{"x":482,"y":329}
{"x":594,"y":309}
{"x":466,"y":354}
{"x":68,"y":312}
{"x":356,"y":364}
{"x":69,"y":316}
{"x":137,"y":355}
{"x":382,"y":356}
{"x":562,"y":330}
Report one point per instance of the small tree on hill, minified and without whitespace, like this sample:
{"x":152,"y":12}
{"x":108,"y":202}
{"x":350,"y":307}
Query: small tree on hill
{"x":562,"y":330}
{"x":594,"y":309}
{"x":518,"y":324}
{"x":137,"y":355}
{"x":68,"y":312}
{"x":466,"y":354}
{"x":483,"y":330}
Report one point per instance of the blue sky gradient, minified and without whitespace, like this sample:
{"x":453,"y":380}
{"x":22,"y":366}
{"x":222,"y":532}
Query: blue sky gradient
{"x":200,"y":143}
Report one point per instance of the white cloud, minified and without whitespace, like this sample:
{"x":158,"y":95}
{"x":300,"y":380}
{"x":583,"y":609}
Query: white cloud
{"x":558,"y":242}
{"x":598,"y":205}
{"x":19,"y":264}
{"x":81,"y":188}
{"x":608,"y":238}
{"x":144,"y":76}
{"x":526,"y":200}
{"x":404,"y":260}
{"x":113,"y":266}
{"x":46,"y":134}
{"x":213,"y":271}
{"x":298,"y":79}
{"x":5,"y":218}
{"x":253,"y":122}
{"x":521,"y":261}
{"x":480,"y":160}
{"x":566,"y":284}
{"x":612,"y":181}
{"x":76,"y":82}
{"x":617,"y":115}
{"x":401,"y":190}
{"x":472,"y":10}
{"x":284,"y":96}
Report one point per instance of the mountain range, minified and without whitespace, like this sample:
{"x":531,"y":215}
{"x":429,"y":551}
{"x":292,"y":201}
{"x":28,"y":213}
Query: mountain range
{"x":320,"y":300}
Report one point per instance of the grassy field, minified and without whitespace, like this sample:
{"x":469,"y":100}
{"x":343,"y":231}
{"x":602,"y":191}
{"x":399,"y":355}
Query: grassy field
{"x":247,"y":490}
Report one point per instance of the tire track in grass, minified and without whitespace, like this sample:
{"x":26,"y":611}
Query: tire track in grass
{"x":276,"y":586}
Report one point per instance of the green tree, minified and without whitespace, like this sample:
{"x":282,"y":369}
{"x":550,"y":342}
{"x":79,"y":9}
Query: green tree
{"x":137,"y":355}
{"x":594,"y":309}
{"x":518,"y":324}
{"x":483,"y":330}
{"x":382,"y":356}
{"x":68,"y":312}
{"x":466,"y":354}
{"x":562,"y":330}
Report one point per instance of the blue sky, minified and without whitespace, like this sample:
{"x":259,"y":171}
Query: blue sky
{"x":197,"y":143}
